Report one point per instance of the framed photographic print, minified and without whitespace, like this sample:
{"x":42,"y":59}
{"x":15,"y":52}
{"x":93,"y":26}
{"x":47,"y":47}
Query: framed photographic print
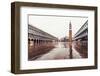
{"x":52,"y":37}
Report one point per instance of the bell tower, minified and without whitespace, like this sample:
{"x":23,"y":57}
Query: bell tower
{"x":70,"y":40}
{"x":70,"y":32}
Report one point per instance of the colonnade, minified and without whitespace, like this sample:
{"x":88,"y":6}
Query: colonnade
{"x":38,"y":42}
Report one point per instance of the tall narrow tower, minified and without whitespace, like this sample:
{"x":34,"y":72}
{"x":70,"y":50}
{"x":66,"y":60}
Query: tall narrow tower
{"x":70,"y":32}
{"x":70,"y":40}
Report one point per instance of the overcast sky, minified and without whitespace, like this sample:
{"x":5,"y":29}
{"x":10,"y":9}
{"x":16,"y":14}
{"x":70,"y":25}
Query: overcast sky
{"x":57,"y":26}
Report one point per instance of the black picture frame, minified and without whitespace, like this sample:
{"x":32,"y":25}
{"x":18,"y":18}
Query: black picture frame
{"x":15,"y":37}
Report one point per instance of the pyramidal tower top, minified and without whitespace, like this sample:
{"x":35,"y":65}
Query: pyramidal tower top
{"x":70,"y":26}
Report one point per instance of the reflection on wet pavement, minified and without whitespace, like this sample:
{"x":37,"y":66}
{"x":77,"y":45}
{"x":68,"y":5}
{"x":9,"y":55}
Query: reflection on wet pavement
{"x":61,"y":51}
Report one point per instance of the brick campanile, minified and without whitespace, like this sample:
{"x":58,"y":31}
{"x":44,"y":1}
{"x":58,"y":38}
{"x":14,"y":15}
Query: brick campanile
{"x":70,"y":40}
{"x":70,"y":32}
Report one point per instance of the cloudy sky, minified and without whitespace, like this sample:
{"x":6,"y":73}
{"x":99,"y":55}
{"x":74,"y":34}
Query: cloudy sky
{"x":57,"y":26}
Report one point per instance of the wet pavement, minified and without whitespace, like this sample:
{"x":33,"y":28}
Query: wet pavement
{"x":61,"y":51}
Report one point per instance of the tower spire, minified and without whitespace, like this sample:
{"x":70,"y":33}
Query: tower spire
{"x":70,"y":31}
{"x":70,"y":26}
{"x":70,"y":39}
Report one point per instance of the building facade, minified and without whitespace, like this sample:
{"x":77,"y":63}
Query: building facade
{"x":37,"y":36}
